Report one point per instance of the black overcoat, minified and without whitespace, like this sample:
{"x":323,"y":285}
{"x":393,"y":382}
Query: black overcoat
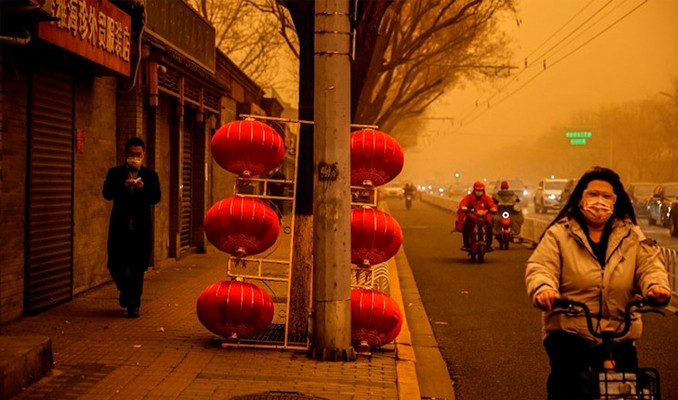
{"x":130,"y":205}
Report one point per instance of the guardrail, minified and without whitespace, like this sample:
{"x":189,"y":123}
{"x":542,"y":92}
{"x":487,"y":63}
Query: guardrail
{"x":533,"y":229}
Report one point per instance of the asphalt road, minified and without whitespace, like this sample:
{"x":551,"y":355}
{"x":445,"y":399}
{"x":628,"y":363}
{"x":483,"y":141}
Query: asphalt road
{"x":488,"y":332}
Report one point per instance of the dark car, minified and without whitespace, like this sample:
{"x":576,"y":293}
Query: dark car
{"x":567,"y":191}
{"x":640,"y":193}
{"x":663,"y":204}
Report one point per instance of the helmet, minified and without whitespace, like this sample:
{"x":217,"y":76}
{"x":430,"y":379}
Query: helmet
{"x":504,"y":185}
{"x":478,"y":186}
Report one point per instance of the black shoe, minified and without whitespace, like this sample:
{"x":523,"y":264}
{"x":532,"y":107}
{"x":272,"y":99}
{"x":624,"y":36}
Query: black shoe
{"x":489,"y":249}
{"x":465,"y":248}
{"x":122,"y":301}
{"x":132,"y":312}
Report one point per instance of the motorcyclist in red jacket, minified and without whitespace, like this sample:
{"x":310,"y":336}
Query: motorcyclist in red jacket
{"x":477,"y":200}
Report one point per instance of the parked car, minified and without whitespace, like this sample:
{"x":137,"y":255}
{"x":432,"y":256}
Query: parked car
{"x":662,"y":204}
{"x":516,"y":186}
{"x":640,"y":193}
{"x":548,"y":195}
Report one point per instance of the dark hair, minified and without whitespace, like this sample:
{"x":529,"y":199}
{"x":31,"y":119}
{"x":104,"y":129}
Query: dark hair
{"x":134,"y":141}
{"x":622,"y":208}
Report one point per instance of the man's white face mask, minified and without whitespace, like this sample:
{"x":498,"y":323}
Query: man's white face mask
{"x":134,"y":162}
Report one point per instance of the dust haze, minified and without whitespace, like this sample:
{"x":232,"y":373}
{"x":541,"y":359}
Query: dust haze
{"x":614,"y":76}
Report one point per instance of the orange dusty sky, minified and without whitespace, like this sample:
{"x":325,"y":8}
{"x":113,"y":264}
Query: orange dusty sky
{"x":633,"y":59}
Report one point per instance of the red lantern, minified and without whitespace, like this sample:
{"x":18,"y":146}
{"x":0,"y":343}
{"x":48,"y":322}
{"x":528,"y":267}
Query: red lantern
{"x":234,"y":308}
{"x":241,"y":225}
{"x":375,"y":236}
{"x":376,"y":158}
{"x":375,"y":318}
{"x":247,"y":147}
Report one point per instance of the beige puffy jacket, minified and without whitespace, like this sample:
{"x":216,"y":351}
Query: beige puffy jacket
{"x":564,"y":260}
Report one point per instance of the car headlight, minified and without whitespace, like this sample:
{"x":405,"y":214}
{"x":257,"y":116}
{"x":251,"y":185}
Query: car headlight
{"x":552,"y":196}
{"x":525,"y":192}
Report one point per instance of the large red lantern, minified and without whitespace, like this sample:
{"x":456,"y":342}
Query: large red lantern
{"x":375,"y":318}
{"x":375,"y":236}
{"x":234,"y":308}
{"x":376,"y":158}
{"x":241,"y":226}
{"x":247,"y":147}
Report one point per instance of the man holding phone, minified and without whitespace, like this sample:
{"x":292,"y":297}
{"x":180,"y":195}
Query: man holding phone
{"x":134,"y":189}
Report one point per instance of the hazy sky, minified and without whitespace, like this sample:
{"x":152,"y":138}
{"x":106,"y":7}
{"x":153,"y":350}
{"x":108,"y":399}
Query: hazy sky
{"x":635,"y":58}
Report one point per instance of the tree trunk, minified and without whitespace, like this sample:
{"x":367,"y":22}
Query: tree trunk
{"x":302,"y":259}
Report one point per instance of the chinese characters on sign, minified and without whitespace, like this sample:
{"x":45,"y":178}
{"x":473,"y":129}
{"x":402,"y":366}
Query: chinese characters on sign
{"x":94,"y":29}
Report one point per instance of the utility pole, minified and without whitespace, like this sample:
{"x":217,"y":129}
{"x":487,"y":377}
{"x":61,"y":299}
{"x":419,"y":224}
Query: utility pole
{"x":331,"y":335}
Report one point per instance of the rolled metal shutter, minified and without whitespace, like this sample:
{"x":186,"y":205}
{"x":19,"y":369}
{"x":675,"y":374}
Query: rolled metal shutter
{"x":186,"y":218}
{"x":49,"y":247}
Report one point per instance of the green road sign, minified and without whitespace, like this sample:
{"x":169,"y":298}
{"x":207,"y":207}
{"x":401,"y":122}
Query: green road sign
{"x":586,"y":134}
{"x":577,"y":142}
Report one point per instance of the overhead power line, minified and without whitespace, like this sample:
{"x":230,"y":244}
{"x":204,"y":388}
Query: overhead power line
{"x":464,"y":121}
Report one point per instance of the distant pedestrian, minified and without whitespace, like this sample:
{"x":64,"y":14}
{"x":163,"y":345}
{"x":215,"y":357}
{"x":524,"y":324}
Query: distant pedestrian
{"x":595,"y":253}
{"x":133,"y":189}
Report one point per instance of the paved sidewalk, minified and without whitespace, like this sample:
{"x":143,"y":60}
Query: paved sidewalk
{"x":168,"y":354}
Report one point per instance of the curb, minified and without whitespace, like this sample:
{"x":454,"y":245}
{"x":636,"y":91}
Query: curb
{"x":23,"y":360}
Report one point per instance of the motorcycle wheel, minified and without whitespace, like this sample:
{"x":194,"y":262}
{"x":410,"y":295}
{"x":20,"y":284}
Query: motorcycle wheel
{"x":481,"y":255}
{"x":473,"y":256}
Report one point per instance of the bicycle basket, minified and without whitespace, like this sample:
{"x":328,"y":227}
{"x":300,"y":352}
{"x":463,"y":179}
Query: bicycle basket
{"x":640,"y":384}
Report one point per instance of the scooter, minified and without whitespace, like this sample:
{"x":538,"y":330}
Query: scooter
{"x":505,"y":235}
{"x":609,"y":382}
{"x":408,"y":200}
{"x":478,"y":239}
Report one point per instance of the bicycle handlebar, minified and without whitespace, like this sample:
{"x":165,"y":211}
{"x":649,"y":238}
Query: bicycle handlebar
{"x":641,"y":305}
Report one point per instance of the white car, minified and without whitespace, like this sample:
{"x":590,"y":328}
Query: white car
{"x":548,"y":195}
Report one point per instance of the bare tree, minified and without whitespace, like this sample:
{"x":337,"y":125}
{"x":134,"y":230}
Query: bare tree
{"x":253,"y":39}
{"x":408,"y":53}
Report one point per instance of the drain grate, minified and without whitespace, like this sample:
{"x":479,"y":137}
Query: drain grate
{"x":277,"y":395}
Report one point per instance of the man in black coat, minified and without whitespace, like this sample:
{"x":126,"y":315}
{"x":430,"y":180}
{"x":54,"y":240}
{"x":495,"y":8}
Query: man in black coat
{"x":133,"y":189}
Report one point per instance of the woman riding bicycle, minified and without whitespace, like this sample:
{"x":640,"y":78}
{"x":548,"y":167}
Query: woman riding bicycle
{"x":595,"y":253}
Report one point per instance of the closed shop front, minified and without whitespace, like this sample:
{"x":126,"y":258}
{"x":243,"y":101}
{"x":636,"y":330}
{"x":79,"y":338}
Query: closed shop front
{"x":49,"y":247}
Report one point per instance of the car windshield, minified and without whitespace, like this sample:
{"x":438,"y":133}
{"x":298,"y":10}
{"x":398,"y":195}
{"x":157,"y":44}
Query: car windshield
{"x":671,"y":191}
{"x":554,"y":185}
{"x":643,"y":190}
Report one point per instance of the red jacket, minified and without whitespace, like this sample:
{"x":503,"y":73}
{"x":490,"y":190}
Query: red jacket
{"x":485,"y":202}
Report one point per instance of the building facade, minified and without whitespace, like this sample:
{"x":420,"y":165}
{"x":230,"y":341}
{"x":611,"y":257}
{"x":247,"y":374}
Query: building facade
{"x":78,"y":79}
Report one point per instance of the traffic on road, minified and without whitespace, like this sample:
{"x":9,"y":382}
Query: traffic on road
{"x":488,"y":331}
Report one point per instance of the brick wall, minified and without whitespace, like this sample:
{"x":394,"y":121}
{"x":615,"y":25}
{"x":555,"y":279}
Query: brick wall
{"x":162,"y":167}
{"x":14,"y":86}
{"x":95,"y":117}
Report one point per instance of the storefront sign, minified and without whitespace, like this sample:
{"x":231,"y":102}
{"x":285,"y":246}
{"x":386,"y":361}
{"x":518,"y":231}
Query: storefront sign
{"x":94,"y":29}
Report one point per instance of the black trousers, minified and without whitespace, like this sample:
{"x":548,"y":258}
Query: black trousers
{"x":572,"y":356}
{"x":128,"y":273}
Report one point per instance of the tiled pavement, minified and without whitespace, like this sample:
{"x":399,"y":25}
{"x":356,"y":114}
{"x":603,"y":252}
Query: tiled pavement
{"x":168,"y":354}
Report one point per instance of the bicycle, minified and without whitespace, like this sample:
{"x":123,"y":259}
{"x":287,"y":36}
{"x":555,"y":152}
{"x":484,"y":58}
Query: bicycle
{"x":610,"y":383}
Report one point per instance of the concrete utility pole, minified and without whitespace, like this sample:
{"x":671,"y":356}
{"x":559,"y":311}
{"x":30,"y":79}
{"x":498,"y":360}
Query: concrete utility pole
{"x":331,"y":335}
